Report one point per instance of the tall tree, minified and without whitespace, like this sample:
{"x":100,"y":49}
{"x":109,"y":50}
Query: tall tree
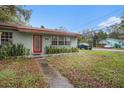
{"x":14,"y":14}
{"x":42,"y":26}
{"x":114,"y":33}
{"x":81,"y":39}
{"x":101,"y":35}
{"x":88,"y":35}
{"x":121,"y":26}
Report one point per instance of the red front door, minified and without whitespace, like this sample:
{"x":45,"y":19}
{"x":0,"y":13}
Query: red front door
{"x":37,"y":44}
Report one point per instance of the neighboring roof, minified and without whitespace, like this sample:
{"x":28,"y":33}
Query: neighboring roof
{"x":110,"y":40}
{"x":36,"y":30}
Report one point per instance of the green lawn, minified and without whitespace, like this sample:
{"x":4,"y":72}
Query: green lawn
{"x":21,"y":73}
{"x":91,"y":68}
{"x":119,"y":48}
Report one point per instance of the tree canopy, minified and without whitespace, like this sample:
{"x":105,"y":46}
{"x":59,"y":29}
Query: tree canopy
{"x":14,"y":14}
{"x":101,"y":35}
{"x":42,"y":26}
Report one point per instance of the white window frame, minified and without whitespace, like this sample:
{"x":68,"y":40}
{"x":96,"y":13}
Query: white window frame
{"x":61,"y":39}
{"x":7,"y":37}
{"x":54,"y":40}
{"x":58,"y":39}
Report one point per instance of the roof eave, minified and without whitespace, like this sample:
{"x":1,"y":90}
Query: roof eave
{"x":37,"y":30}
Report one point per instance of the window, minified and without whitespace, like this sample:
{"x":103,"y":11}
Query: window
{"x":67,"y":41}
{"x":6,"y":37}
{"x":122,"y":44}
{"x":61,"y":40}
{"x":54,"y":40}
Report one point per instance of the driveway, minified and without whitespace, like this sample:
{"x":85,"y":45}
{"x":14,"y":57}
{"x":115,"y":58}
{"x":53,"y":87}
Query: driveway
{"x":112,"y":50}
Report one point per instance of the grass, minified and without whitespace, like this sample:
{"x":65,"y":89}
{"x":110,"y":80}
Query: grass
{"x":91,"y":68}
{"x":21,"y":73}
{"x":119,"y":48}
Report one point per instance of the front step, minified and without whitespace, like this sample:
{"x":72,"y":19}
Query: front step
{"x":38,"y":57}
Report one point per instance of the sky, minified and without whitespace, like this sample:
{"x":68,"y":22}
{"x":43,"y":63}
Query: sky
{"x":75,"y":18}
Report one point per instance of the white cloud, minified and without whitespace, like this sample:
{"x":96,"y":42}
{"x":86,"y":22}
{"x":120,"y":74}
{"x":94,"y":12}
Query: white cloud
{"x":110,"y":21}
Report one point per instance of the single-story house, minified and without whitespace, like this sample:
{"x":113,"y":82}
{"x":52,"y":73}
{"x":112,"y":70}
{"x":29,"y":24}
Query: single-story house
{"x":112,"y":42}
{"x":36,"y":39}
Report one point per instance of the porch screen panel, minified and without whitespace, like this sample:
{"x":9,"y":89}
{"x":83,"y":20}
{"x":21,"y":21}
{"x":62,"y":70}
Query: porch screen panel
{"x":37,"y":43}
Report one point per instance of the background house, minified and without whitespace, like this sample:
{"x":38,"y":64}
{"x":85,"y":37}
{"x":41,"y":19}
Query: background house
{"x":112,"y":42}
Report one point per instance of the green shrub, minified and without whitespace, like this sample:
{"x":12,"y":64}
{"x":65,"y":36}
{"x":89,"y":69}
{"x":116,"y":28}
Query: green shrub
{"x":54,"y":50}
{"x":117,"y":46}
{"x":9,"y":50}
{"x":3,"y":55}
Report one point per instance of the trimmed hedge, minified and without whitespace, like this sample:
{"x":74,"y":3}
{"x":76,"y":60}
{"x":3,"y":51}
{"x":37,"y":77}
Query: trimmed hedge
{"x":54,"y":50}
{"x":10,"y":50}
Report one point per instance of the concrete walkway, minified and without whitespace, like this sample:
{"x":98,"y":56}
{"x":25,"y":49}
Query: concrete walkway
{"x":55,"y":79}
